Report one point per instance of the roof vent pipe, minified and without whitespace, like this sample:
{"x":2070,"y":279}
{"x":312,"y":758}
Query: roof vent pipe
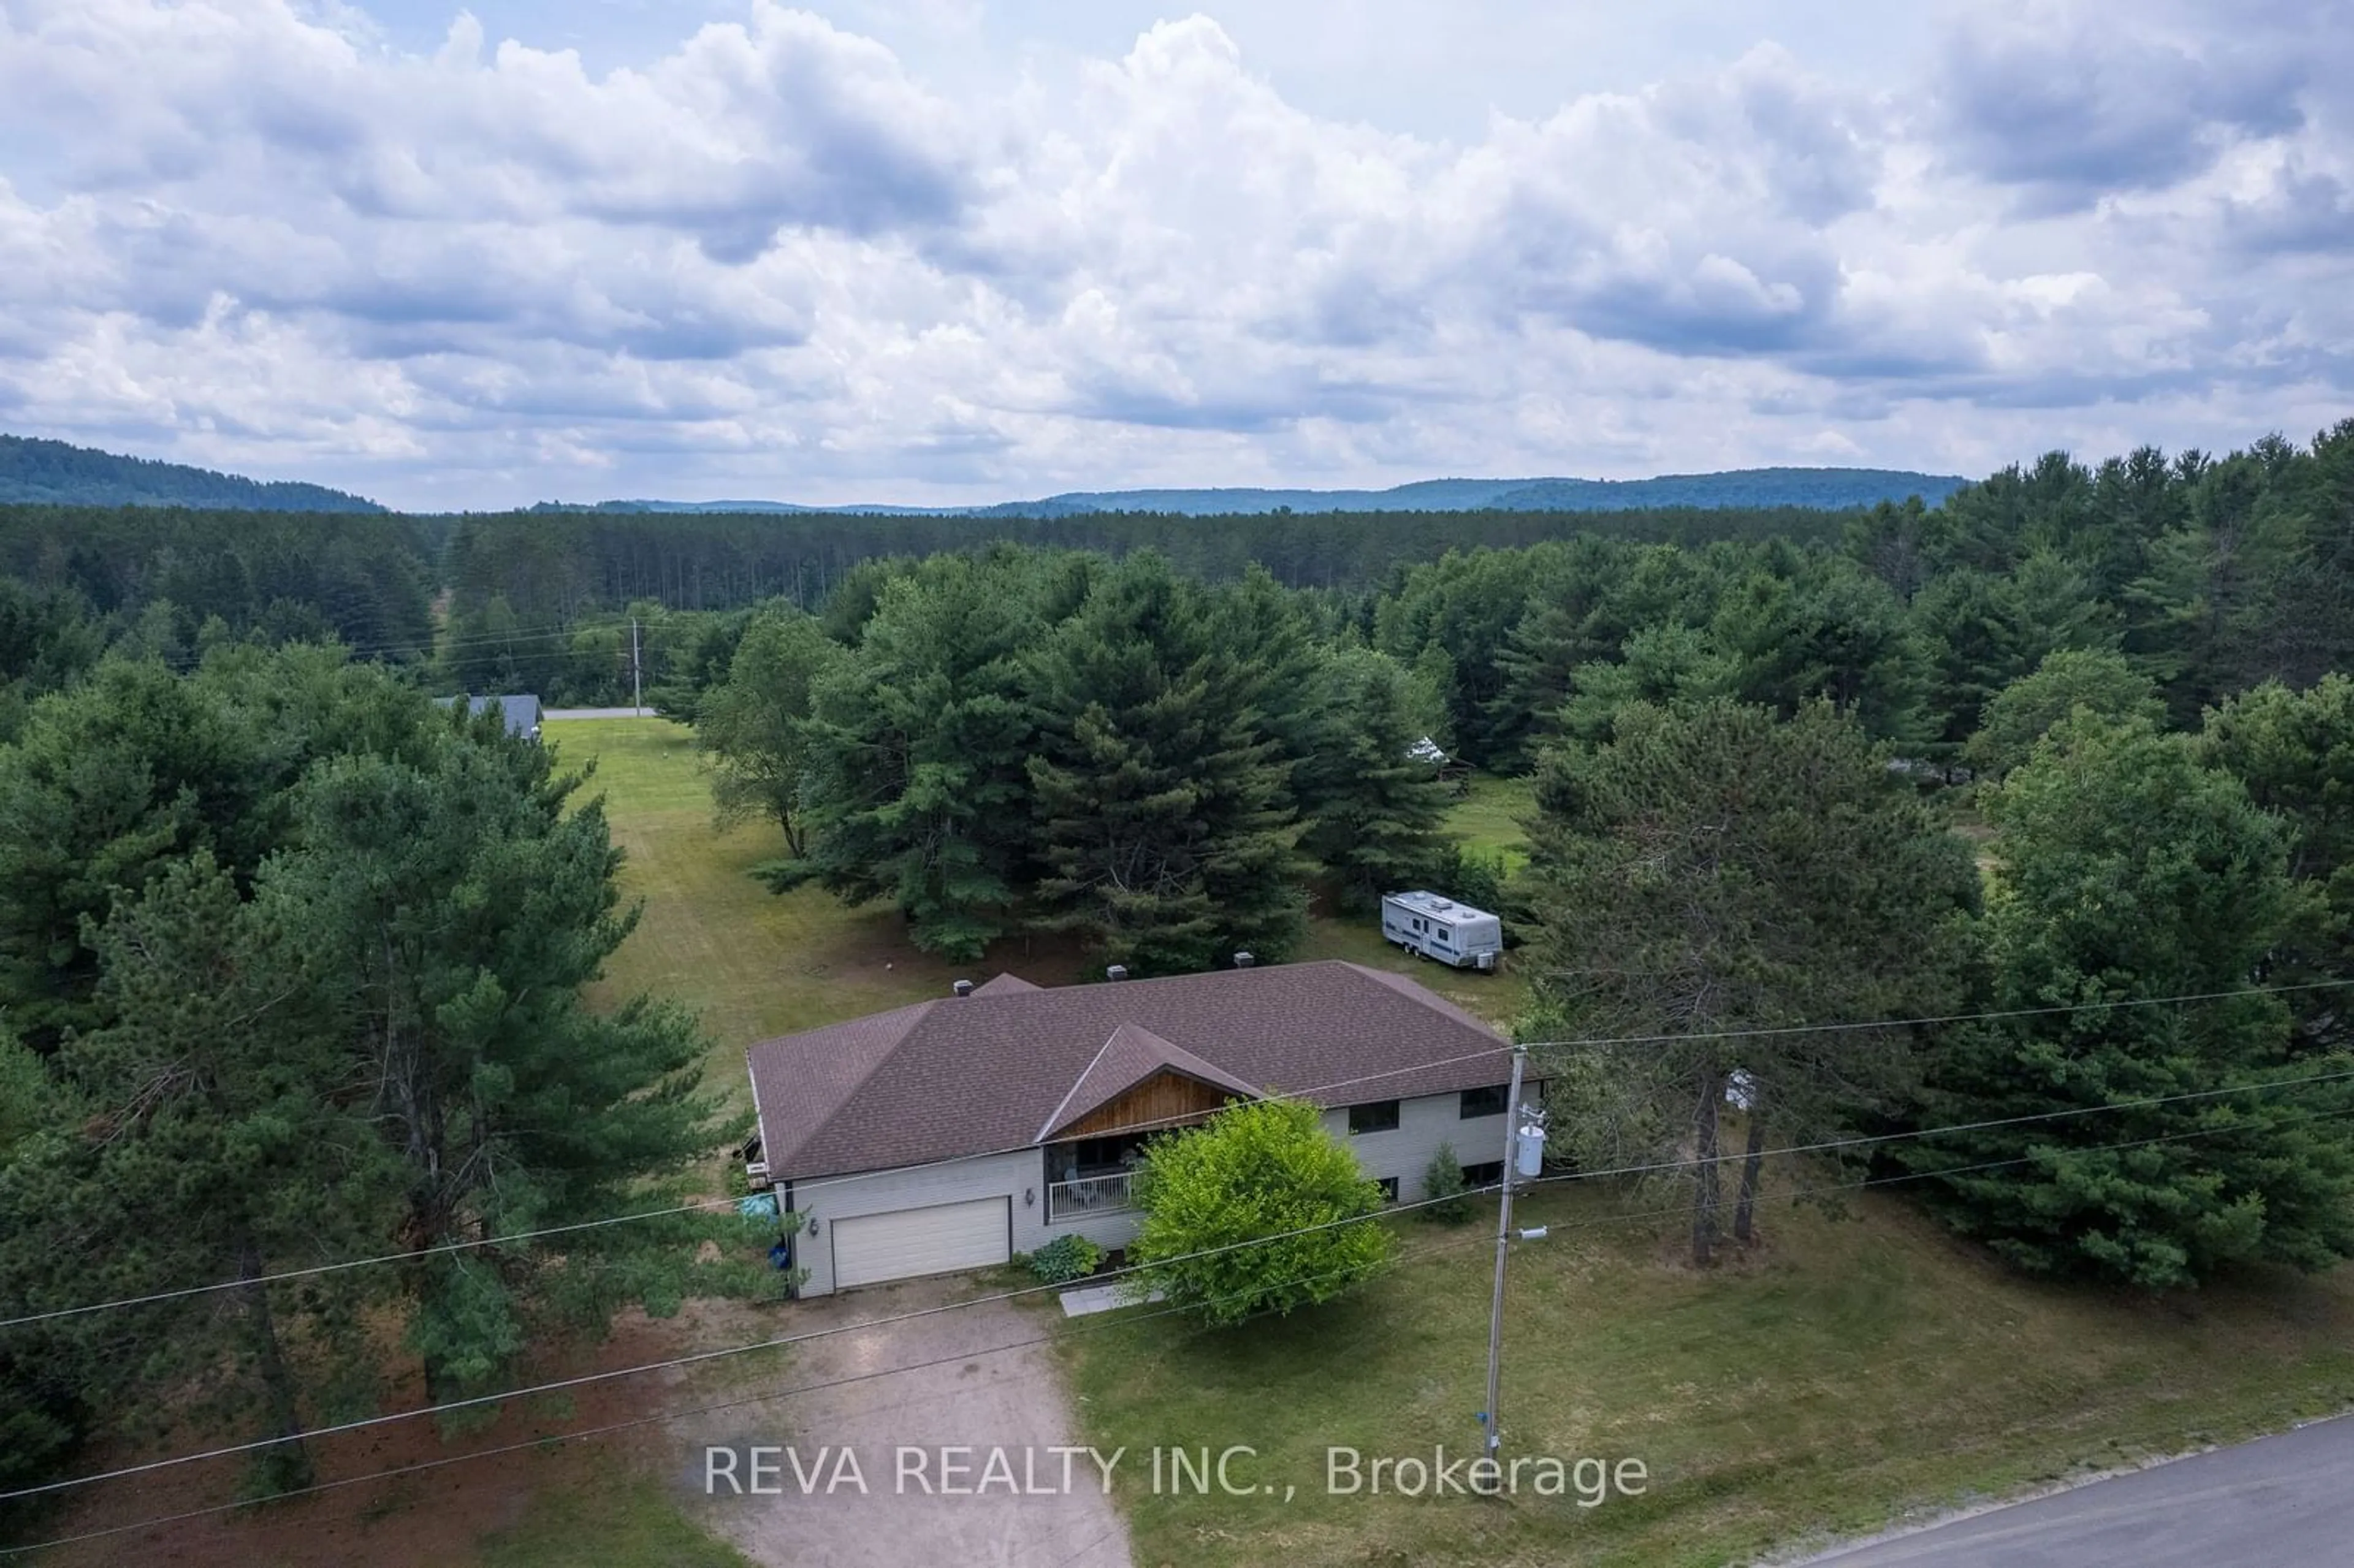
{"x":962,"y":988}
{"x":1243,"y":960}
{"x":1116,"y":971}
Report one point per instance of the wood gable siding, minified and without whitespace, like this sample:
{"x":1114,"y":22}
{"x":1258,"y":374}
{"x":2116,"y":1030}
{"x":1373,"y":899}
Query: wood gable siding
{"x":1165,"y":1099}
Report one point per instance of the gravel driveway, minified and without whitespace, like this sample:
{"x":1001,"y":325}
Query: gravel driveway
{"x":935,"y":1425}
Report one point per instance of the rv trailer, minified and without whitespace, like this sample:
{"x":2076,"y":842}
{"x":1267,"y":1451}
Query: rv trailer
{"x":1436,"y":928}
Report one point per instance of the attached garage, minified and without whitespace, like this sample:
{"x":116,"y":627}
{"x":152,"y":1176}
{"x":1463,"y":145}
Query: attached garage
{"x":959,"y":1133}
{"x":943,"y":1239}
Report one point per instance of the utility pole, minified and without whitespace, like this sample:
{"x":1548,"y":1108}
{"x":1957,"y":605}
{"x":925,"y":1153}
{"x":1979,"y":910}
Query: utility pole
{"x":637,"y":690}
{"x":1519,"y":1142}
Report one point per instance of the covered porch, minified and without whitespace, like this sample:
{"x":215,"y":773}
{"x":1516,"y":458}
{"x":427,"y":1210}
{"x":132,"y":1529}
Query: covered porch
{"x":1089,"y":1176}
{"x":1091,"y":1161}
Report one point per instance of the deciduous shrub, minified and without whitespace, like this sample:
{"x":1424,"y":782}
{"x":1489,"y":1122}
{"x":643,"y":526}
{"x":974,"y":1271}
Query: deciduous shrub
{"x":1066,"y":1258}
{"x":1256,"y":1212}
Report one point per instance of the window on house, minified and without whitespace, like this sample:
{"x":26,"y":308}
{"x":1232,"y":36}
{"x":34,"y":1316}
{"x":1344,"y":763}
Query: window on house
{"x":1388,"y":1184}
{"x":1375,"y":1116}
{"x":1483,"y":1175}
{"x":1489,"y":1101}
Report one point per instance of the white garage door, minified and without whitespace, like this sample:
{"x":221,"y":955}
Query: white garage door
{"x":939,"y":1240}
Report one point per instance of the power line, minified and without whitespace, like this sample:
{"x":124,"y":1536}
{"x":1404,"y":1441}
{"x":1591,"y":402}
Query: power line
{"x":697,"y":1358}
{"x":1587,"y":1223}
{"x":1863,"y":1138}
{"x":701,"y":1205}
{"x":680,"y":1415}
{"x":703,"y":1356}
{"x":1161,"y":1123}
{"x":1747,"y":1032}
{"x":1834,"y":1187}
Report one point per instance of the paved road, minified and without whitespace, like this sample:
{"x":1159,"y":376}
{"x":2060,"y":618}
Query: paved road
{"x":2275,"y":1501}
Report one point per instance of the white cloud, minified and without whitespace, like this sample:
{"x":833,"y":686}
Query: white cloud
{"x":772,"y":261}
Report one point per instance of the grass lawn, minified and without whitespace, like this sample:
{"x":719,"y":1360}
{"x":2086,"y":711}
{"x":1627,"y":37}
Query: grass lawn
{"x":1490,"y":817}
{"x":1856,"y":1368}
{"x":1859,"y":1368}
{"x":623,"y":1520}
{"x":1498,"y":998}
{"x":755,"y":964}
{"x":752,"y":963}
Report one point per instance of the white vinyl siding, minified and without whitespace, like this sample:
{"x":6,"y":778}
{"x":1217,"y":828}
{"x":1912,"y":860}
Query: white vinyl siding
{"x":1404,"y":1152}
{"x":943,"y":1239}
{"x":1012,"y":1183}
{"x":1107,"y":1231}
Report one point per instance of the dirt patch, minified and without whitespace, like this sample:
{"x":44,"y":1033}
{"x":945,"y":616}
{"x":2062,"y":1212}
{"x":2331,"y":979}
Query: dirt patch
{"x":974,"y":1379}
{"x":968,"y":1378}
{"x":434,"y":1515}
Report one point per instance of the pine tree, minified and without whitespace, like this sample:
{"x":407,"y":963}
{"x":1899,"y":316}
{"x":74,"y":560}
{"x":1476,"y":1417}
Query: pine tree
{"x":756,"y":724}
{"x":916,"y":787}
{"x":1163,"y":807}
{"x":51,"y":1392}
{"x":2303,"y":611}
{"x":2128,"y":871}
{"x":1714,"y":869}
{"x":2295,"y":752}
{"x":1374,"y":810}
{"x":454,"y":907}
{"x":1829,"y":630}
{"x":1668,"y":665}
{"x":137,"y":767}
{"x":2067,"y":679}
{"x":1468,"y":604}
{"x":220,"y":1095}
{"x":1571,"y":622}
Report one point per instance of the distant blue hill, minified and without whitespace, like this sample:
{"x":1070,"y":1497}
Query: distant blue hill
{"x":1828,"y":488}
{"x":59,"y":474}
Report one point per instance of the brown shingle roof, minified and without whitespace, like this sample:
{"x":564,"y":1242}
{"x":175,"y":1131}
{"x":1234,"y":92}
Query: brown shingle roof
{"x":823,"y":1080}
{"x":1127,"y":1059}
{"x":985,"y":1072}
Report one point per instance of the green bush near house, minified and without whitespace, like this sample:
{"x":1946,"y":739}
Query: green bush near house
{"x":1258,"y":1211}
{"x":1443,"y":1188}
{"x":1066,"y":1258}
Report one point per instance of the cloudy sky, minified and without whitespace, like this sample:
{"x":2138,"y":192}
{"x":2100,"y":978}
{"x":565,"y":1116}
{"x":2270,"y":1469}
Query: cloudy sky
{"x":964,"y":249}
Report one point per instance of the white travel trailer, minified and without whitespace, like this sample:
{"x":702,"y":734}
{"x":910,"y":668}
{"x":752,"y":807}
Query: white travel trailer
{"x":1441,"y":928}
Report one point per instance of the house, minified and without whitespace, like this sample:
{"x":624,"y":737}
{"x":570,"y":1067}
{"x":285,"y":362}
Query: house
{"x":954,"y":1133}
{"x":521,"y":712}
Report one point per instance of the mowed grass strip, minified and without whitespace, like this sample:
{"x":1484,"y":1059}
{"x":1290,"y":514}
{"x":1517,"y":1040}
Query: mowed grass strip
{"x":755,"y":964}
{"x":1854,"y":1369}
{"x":1493,"y":815}
{"x":609,"y":1516}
